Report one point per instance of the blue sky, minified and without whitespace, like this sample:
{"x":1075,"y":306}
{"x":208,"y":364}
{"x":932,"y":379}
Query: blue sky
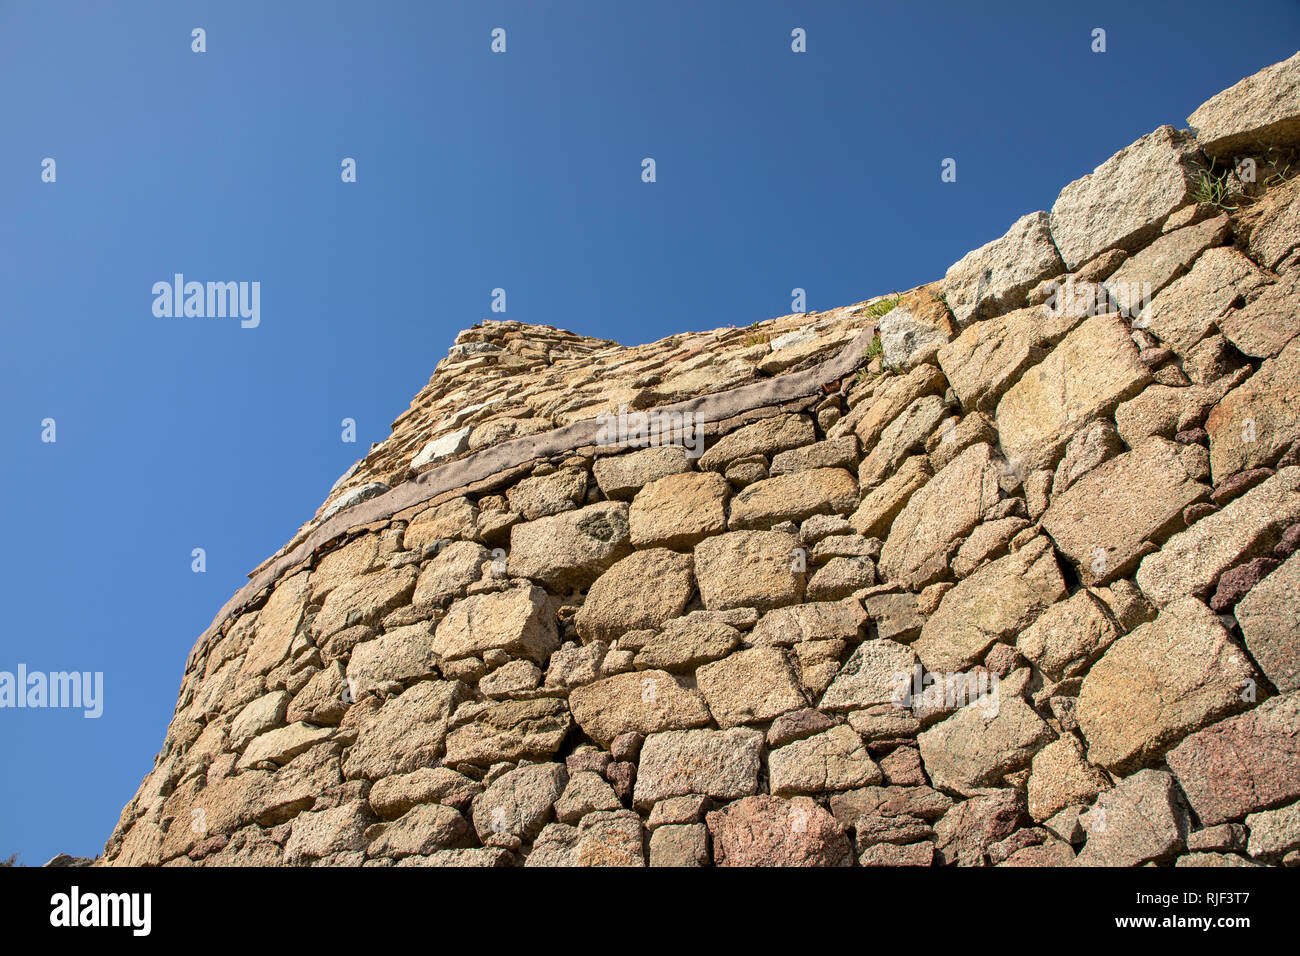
{"x":475,"y":171}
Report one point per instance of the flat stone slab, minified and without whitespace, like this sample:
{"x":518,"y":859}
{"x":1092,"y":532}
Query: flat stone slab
{"x":1245,"y":763}
{"x":1192,"y":561}
{"x":1261,"y":110}
{"x":1122,"y":203}
{"x":1093,"y":369}
{"x":1104,"y":522}
{"x":1165,"y":679}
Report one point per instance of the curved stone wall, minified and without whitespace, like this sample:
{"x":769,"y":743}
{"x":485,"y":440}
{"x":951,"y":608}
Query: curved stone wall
{"x":998,"y":571}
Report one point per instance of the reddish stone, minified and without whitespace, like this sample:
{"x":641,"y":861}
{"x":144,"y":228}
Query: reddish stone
{"x":1242,"y":764}
{"x":771,"y":831}
{"x":1193,"y":436}
{"x":594,"y":760}
{"x":902,"y":768}
{"x":621,"y":775}
{"x":796,"y":725}
{"x":1194,"y":513}
{"x":1155,"y":356}
{"x":966,"y":832}
{"x":1289,"y":544}
{"x":211,"y":845}
{"x":1237,"y":485}
{"x":1002,"y":659}
{"x":1235,"y":583}
{"x":626,"y":746}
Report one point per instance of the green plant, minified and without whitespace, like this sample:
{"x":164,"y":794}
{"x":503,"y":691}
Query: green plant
{"x":1217,"y":189}
{"x":758,"y":338}
{"x":884,"y":306}
{"x":874,"y":349}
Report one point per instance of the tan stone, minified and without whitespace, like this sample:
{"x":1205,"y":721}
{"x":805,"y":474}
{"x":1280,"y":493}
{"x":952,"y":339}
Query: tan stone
{"x":794,"y":497}
{"x":544,"y":495}
{"x":750,"y":686}
{"x":723,"y":764}
{"x":1256,"y":420}
{"x":987,"y":358}
{"x":1263,"y":327}
{"x":938,"y":516}
{"x":450,"y":572}
{"x":917,"y":324}
{"x":904,"y":435}
{"x":1261,"y":110}
{"x":880,"y":506}
{"x":679,"y":510}
{"x":1104,"y":522}
{"x":455,"y":519}
{"x":877,"y":672}
{"x":572,"y":549}
{"x":995,"y":603}
{"x":1061,"y":777}
{"x":996,"y":276}
{"x":686,"y":643}
{"x":518,"y":621}
{"x":401,"y":655}
{"x":1066,"y":637}
{"x":403,"y":734}
{"x":620,"y":477}
{"x":1122,"y":203}
{"x":282,"y":745}
{"x":980,"y":743}
{"x":813,"y":621}
{"x":1186,"y":311}
{"x":758,"y":569}
{"x":364,"y":600}
{"x":277,"y":625}
{"x":644,"y":702}
{"x":839,"y":452}
{"x":490,"y":732}
{"x":1156,"y":410}
{"x":1270,"y":624}
{"x":893,"y":397}
{"x":1146,"y":272}
{"x":1192,"y":561}
{"x":829,"y":761}
{"x":764,"y":437}
{"x":352,"y":560}
{"x":393,"y":796}
{"x":1158,"y":684}
{"x":1093,"y":369}
{"x":643,"y":590}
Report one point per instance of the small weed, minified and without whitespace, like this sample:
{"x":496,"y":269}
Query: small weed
{"x":874,"y":349}
{"x":1217,"y":189}
{"x":884,"y":306}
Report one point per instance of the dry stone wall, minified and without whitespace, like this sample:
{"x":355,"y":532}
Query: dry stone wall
{"x":1001,"y":571}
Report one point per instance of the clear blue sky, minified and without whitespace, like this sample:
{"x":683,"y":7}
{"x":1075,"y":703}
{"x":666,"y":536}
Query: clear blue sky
{"x":475,"y":170}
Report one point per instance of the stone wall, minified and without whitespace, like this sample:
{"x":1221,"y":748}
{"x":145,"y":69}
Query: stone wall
{"x":998,"y":571}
